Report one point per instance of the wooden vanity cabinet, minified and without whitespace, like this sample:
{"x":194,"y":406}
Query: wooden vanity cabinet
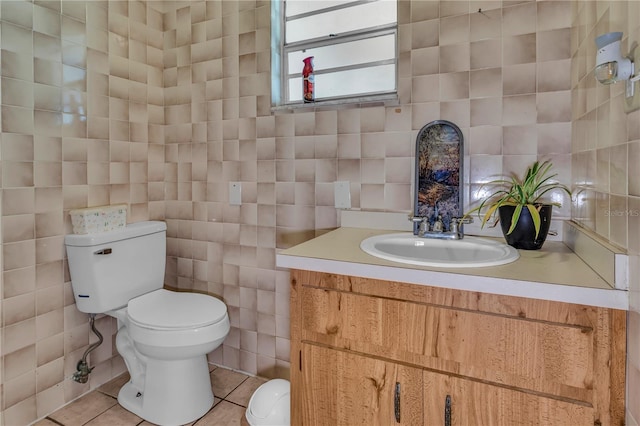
{"x":382,"y":353}
{"x":475,"y":403}
{"x":342,"y":388}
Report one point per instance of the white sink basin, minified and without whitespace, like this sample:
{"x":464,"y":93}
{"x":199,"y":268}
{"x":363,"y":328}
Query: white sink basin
{"x":470,"y":252}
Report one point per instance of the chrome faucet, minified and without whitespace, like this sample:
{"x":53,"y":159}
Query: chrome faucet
{"x":455,"y":232}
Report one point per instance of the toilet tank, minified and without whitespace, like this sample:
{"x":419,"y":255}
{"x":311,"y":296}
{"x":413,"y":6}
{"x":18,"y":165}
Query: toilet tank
{"x":109,"y":269}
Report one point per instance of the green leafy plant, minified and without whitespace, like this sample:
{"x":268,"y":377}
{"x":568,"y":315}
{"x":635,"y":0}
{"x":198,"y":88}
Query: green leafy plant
{"x":521,"y":193}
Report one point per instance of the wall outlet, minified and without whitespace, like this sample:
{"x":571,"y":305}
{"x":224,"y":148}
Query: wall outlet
{"x":342,"y":194}
{"x":235,"y":193}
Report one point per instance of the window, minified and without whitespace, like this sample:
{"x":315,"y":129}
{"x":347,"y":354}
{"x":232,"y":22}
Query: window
{"x":353,"y":44}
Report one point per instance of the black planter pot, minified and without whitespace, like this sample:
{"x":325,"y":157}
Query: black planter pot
{"x":524,"y":234}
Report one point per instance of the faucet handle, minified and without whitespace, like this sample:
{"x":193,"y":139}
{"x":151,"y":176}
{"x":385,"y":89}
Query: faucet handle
{"x":461,"y":220}
{"x":456,"y":225}
{"x":423,"y":224}
{"x":416,"y":219}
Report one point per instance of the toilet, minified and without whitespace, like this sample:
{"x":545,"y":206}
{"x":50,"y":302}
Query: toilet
{"x":163,"y":336}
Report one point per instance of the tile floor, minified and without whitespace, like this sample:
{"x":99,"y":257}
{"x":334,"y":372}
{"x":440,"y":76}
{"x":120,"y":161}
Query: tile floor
{"x":231,"y":389}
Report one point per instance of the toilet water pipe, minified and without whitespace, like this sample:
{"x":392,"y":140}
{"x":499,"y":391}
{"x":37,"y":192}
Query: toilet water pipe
{"x":83,"y":369}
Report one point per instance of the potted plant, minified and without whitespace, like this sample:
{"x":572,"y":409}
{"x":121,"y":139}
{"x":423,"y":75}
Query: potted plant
{"x":523,"y":213}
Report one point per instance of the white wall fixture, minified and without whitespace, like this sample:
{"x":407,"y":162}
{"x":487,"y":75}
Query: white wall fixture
{"x":235,"y":193}
{"x":342,"y":194}
{"x":612,"y":67}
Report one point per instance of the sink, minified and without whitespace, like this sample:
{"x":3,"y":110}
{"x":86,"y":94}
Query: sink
{"x":469,"y":252}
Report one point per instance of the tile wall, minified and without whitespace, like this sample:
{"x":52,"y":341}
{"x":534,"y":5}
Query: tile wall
{"x":161,"y":105}
{"x":606,"y":156}
{"x":219,"y":129}
{"x":82,"y":97}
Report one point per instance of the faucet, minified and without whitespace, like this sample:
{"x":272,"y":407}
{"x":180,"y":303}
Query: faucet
{"x":455,"y":232}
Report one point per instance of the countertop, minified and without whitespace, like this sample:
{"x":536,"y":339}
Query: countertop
{"x":552,"y":273}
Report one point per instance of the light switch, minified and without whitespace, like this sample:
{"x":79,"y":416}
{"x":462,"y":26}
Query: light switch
{"x":235,"y":193}
{"x":342,"y":194}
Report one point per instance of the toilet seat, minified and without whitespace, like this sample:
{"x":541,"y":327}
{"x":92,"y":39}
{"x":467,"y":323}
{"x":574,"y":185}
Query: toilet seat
{"x":174,"y":311}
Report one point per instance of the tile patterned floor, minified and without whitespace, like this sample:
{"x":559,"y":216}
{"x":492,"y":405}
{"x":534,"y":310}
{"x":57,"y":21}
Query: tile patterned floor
{"x":232,"y":391}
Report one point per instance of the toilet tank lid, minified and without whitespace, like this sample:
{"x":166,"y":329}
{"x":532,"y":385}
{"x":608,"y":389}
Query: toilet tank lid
{"x":130,"y":231}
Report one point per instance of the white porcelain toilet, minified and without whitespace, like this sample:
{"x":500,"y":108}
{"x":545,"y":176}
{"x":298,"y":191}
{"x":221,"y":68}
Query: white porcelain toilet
{"x":163,"y":336}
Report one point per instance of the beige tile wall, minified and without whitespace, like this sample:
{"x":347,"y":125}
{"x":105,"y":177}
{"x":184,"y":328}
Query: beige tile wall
{"x":219,"y":129}
{"x":606,"y":156}
{"x":110,"y":102}
{"x":82,"y":96}
{"x":605,"y":143}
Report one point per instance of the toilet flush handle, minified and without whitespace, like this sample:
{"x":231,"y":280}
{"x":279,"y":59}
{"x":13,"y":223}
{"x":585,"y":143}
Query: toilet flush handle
{"x":103,"y":251}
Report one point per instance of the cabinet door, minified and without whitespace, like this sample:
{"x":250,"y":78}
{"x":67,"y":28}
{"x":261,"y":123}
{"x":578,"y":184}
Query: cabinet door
{"x":341,"y":388}
{"x":474,"y":403}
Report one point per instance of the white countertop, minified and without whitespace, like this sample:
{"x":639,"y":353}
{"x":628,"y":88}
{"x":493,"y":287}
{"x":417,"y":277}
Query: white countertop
{"x":552,"y":273}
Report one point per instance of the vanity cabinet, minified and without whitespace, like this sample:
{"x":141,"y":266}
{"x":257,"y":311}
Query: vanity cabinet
{"x":363,"y":349}
{"x":348,"y":389}
{"x":460,"y":401}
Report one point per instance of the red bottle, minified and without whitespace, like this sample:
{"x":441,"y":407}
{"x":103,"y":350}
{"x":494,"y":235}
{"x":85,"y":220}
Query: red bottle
{"x":307,"y":80}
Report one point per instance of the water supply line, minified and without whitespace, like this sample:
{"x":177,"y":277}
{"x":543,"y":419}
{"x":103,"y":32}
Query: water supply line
{"x":83,"y":369}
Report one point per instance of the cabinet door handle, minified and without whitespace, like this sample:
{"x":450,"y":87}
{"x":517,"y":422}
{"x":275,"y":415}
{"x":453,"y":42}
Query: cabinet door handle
{"x":396,"y":402}
{"x":447,"y":411}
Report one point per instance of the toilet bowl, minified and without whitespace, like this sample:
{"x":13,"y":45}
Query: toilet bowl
{"x":167,"y":325}
{"x":163,"y":336}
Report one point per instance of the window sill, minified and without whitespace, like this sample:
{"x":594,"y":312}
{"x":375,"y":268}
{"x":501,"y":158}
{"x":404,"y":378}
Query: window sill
{"x":334,"y":104}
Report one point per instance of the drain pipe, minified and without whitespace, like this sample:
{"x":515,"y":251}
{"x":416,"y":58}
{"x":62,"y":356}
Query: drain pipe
{"x":83,"y":370}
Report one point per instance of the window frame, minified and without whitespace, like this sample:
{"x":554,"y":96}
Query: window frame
{"x":280,"y":66}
